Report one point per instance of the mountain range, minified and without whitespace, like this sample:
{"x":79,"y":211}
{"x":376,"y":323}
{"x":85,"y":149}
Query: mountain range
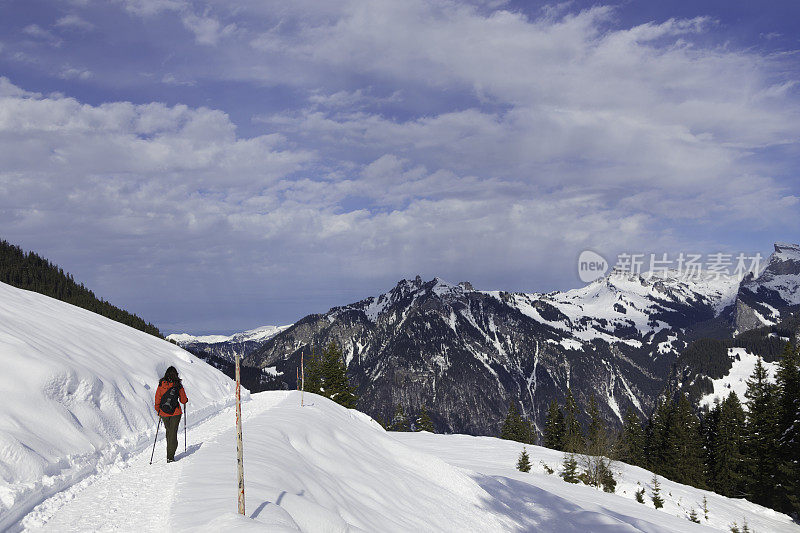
{"x":465,"y":354}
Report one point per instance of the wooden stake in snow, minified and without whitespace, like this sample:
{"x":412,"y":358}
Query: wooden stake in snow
{"x":239,"y":458}
{"x":302,"y":379}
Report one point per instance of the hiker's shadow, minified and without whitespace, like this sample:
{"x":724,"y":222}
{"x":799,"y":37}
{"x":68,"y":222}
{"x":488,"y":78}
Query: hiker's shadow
{"x":189,"y":451}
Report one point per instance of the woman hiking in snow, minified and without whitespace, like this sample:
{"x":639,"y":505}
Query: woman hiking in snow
{"x":169,"y":392}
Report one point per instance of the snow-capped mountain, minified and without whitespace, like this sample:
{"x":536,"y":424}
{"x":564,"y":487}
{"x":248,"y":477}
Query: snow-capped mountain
{"x":765,"y":299}
{"x":226,"y":346}
{"x":465,"y":353}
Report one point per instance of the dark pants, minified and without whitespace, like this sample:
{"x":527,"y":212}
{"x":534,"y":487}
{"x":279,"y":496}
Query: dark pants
{"x":171,"y":424}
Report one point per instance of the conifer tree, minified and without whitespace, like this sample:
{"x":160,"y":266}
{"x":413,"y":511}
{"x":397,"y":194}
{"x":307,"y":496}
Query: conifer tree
{"x":683,"y":449}
{"x":424,"y":422}
{"x":569,"y":470}
{"x":788,"y":390}
{"x":524,"y":462}
{"x":761,"y":436}
{"x":633,"y":443}
{"x":399,"y":420}
{"x":573,"y":434}
{"x":514,"y":427}
{"x":658,"y":501}
{"x":554,"y":427}
{"x":336,"y":386}
{"x":728,"y":447}
{"x":313,"y":372}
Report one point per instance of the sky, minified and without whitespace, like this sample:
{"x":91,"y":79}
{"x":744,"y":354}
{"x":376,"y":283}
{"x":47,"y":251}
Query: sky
{"x":214,"y":166}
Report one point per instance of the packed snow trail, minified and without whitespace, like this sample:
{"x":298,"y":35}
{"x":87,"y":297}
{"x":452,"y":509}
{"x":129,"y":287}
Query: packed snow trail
{"x":138,"y":496}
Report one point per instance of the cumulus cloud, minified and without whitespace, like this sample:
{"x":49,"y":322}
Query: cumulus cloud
{"x":464,"y":140}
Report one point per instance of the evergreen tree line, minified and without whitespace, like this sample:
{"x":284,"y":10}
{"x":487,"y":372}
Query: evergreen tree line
{"x":588,"y":454}
{"x":752,"y":454}
{"x":34,"y":273}
{"x":400,"y":421}
{"x":326,"y":374}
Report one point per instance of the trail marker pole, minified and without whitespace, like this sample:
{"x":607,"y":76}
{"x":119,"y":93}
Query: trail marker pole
{"x":302,"y":379}
{"x":239,"y":458}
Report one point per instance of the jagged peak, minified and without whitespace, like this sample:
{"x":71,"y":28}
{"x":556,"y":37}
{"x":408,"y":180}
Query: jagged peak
{"x":785,"y":251}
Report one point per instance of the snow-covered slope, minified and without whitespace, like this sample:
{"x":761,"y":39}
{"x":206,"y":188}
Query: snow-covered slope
{"x":323,"y":468}
{"x":742,"y":365}
{"x":77,"y":392}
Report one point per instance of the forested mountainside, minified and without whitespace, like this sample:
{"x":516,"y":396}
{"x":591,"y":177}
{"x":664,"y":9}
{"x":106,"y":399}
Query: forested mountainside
{"x":32,"y":272}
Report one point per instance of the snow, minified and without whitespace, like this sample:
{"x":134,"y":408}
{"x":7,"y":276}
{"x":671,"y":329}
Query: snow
{"x":324,"y":468}
{"x":640,"y":296}
{"x":78,"y":394}
{"x":257,"y":335}
{"x":736,"y":379}
{"x":186,"y":338}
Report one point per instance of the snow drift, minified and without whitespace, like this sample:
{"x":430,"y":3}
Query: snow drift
{"x":322,"y":468}
{"x":78,"y":394}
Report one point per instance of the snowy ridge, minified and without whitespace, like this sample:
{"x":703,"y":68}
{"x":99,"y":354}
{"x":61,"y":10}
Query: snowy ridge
{"x":78,"y":393}
{"x":614,"y":302}
{"x":255,"y":335}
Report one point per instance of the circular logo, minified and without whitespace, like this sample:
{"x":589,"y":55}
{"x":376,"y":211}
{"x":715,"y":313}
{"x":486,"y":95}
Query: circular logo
{"x":591,"y":266}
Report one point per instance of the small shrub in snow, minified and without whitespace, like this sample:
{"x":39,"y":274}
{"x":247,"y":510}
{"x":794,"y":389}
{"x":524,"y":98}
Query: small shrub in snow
{"x":546,"y":467}
{"x":658,"y":501}
{"x":524,"y":463}
{"x":693,"y":517}
{"x":705,"y":508}
{"x":640,"y":495}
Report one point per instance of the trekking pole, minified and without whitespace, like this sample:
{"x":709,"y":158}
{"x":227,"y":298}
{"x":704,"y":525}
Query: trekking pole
{"x":185,"y":421}
{"x":155,"y":439}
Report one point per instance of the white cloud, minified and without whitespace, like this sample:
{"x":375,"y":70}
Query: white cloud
{"x":41,"y":34}
{"x":74,"y":22}
{"x":207,"y":30}
{"x":71,"y":73}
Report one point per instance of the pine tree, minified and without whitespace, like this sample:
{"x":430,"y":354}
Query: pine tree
{"x":424,"y":422}
{"x":554,"y":427}
{"x":312,"y":364}
{"x":683,"y":451}
{"x":399,"y":420}
{"x":761,"y":436}
{"x":514,"y":427}
{"x":640,"y":495}
{"x":569,"y":468}
{"x":728,"y":447}
{"x":633,"y":443}
{"x":658,"y":501}
{"x":788,"y":390}
{"x":573,"y":434}
{"x":657,"y":438}
{"x":336,"y":386}
{"x":524,"y":462}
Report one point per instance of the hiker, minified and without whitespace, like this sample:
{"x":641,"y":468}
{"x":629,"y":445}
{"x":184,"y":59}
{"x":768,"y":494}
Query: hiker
{"x":170,"y":390}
